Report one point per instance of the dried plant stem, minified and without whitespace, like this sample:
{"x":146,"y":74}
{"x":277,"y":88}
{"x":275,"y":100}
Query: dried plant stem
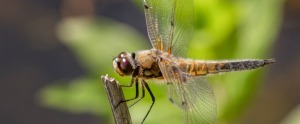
{"x":115,"y":95}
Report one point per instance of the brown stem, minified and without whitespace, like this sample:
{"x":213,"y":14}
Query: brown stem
{"x":115,"y":95}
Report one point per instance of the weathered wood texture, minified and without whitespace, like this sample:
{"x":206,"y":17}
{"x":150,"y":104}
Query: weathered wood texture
{"x":115,"y":95}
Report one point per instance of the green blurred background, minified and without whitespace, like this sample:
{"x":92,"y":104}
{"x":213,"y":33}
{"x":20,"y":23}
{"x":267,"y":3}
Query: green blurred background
{"x":53,"y":53}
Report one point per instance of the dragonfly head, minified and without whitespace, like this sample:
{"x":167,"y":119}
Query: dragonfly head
{"x":124,"y":64}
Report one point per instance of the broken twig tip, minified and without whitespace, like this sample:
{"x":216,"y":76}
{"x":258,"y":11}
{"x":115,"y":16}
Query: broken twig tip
{"x":115,"y":95}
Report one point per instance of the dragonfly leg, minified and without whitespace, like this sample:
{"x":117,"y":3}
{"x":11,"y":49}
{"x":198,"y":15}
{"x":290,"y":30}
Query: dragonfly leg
{"x":143,"y":95}
{"x":136,"y":94}
{"x":170,"y":92}
{"x":135,"y":80}
{"x":152,"y":97}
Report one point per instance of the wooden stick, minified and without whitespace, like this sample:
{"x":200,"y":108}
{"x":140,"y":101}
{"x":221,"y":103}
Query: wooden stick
{"x":115,"y":95}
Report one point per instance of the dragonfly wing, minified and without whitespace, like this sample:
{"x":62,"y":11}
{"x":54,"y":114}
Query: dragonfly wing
{"x":183,"y":27}
{"x":169,"y":24}
{"x":192,"y":94}
{"x":201,"y":103}
{"x":158,"y":15}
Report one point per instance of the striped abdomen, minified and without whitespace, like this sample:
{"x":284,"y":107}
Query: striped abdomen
{"x":198,"y":68}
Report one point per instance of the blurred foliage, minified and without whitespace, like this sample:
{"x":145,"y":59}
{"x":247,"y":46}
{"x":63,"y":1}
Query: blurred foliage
{"x":224,"y":29}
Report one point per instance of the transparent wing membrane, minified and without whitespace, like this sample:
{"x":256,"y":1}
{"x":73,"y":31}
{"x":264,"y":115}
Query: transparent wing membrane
{"x":192,"y":94}
{"x":183,"y":27}
{"x":169,"y":24}
{"x":201,"y":104}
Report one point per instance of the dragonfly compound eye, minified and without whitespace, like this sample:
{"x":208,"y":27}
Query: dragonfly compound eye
{"x":125,"y":65}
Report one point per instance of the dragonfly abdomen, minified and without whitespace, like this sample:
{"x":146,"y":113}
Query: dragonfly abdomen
{"x":198,"y":68}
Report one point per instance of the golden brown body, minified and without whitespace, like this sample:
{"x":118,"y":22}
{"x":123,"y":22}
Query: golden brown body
{"x":148,"y":61}
{"x":184,"y":77}
{"x":201,"y":68}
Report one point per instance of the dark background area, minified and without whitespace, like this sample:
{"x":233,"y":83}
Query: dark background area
{"x":31,"y":56}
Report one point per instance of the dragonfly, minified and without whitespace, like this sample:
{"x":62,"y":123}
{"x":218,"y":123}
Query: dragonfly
{"x":170,"y":28}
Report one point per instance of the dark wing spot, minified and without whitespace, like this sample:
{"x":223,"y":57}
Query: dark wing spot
{"x":183,"y":77}
{"x":146,"y":7}
{"x":171,"y":100}
{"x":183,"y":104}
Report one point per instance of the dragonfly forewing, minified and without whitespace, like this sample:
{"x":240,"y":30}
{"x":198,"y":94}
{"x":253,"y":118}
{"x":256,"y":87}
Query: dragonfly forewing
{"x":169,"y":24}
